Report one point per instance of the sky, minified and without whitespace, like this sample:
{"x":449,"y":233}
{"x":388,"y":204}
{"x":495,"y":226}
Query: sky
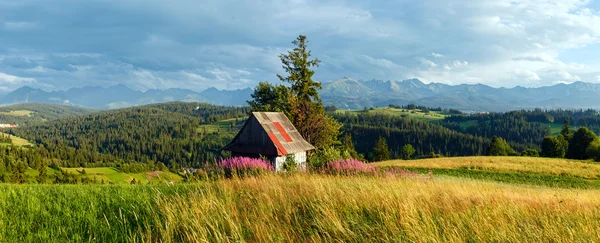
{"x":150,"y":44}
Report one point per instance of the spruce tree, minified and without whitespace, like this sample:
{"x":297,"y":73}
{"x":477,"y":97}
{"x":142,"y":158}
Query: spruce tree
{"x":300,"y":102}
{"x":566,"y":130}
{"x":381,"y":151}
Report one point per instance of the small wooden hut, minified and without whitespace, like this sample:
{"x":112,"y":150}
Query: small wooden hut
{"x":270,"y":135}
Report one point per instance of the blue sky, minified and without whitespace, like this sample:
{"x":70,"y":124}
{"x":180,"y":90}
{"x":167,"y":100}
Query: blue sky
{"x":234,"y":44}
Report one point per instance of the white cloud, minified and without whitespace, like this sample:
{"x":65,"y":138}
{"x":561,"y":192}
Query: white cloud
{"x":527,"y":75}
{"x":598,"y":78}
{"x":233,"y":44}
{"x":436,"y":55}
{"x":427,"y":62}
{"x":566,"y":76}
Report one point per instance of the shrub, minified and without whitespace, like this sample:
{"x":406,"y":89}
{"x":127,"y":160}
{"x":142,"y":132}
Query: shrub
{"x":290,"y":164}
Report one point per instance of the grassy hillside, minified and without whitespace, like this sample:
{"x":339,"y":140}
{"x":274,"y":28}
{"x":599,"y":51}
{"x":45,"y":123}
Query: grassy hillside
{"x":300,"y":209}
{"x":17,"y":141}
{"x":521,"y":170}
{"x":415,"y":113}
{"x":108,"y":175}
{"x":229,"y":126}
{"x":112,"y":175}
{"x":33,"y":113}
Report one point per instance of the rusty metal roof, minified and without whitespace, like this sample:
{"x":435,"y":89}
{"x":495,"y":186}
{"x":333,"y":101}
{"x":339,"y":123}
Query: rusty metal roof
{"x":279,"y":130}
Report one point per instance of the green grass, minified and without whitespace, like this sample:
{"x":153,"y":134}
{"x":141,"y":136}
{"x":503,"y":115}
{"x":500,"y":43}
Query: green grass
{"x":416,"y":113}
{"x":112,"y":175}
{"x":300,"y":208}
{"x":17,"y":113}
{"x":17,"y":141}
{"x":469,"y":123}
{"x":223,"y":126}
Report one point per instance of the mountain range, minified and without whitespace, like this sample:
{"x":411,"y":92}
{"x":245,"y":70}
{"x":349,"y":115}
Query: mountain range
{"x":120,"y":96}
{"x":345,"y":93}
{"x":348,"y":93}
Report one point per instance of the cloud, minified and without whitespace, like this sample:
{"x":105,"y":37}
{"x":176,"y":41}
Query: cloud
{"x":527,"y":75}
{"x":9,"y":82}
{"x":231,"y":44}
{"x":433,"y":54}
{"x":427,"y":62}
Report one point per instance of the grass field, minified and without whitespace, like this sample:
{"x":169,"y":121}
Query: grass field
{"x":112,"y":175}
{"x":300,"y":209}
{"x":109,"y":175}
{"x":521,"y":170}
{"x":17,"y":141}
{"x":417,"y":114}
{"x":223,"y":126}
{"x":17,"y":113}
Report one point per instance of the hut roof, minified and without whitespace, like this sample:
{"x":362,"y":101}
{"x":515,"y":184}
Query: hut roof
{"x":278,"y":132}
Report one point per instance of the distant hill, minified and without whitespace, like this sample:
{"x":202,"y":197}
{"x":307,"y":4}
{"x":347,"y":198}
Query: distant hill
{"x":121,"y":96}
{"x":347,"y":93}
{"x":31,"y":113}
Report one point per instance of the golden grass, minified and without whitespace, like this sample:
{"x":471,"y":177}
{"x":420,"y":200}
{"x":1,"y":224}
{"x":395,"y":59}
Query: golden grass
{"x":574,"y":168}
{"x":316,"y":208}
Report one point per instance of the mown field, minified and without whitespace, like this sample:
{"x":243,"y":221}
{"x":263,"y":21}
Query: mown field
{"x":17,"y":141}
{"x":231,"y":126}
{"x":415,"y":113}
{"x":108,"y":175}
{"x":114,"y":176}
{"x":300,"y":209}
{"x":520,"y":170}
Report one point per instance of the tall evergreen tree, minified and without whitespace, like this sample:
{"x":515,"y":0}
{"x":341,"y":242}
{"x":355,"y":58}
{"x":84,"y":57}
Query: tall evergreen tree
{"x":43,"y":173}
{"x":566,"y":130}
{"x":300,"y":102}
{"x":349,"y":146}
{"x":381,"y":151}
{"x":298,"y":65}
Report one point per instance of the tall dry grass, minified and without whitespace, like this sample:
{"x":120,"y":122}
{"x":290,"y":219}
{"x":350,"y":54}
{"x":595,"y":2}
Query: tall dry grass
{"x":317,"y":208}
{"x":300,"y":208}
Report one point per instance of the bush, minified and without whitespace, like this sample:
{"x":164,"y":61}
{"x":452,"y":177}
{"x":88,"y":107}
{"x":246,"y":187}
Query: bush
{"x":531,"y":153}
{"x":324,"y":155}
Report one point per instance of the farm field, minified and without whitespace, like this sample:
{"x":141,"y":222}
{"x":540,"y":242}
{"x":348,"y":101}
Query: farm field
{"x":224,"y":126}
{"x":17,"y":141}
{"x":300,"y":208}
{"x":17,"y":113}
{"x":520,"y":170}
{"x":112,"y":175}
{"x":416,"y":113}
{"x":107,"y":175}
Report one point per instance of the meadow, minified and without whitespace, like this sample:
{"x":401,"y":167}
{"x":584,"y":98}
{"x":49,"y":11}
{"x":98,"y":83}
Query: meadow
{"x":414,"y":113}
{"x":551,"y":172}
{"x":300,"y":208}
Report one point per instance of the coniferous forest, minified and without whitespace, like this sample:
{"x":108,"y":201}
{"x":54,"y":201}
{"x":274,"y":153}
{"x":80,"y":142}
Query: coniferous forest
{"x":169,"y":134}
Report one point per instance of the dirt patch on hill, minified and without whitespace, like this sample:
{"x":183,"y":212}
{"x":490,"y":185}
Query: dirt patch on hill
{"x":150,"y":175}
